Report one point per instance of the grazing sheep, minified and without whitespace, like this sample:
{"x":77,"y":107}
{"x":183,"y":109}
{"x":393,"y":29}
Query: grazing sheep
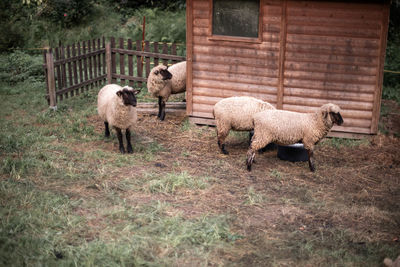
{"x":286,"y":127}
{"x":389,"y":263}
{"x":116,"y":105}
{"x":236,"y":113}
{"x":164,"y":81}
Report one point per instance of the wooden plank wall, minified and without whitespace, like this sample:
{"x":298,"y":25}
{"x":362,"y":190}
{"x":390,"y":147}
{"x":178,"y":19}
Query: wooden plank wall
{"x":312,"y":52}
{"x":332,"y":55}
{"x":222,"y":69}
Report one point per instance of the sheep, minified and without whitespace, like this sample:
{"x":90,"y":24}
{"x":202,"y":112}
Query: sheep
{"x":116,"y":105}
{"x":287,"y":127}
{"x":236,"y":113}
{"x":389,"y":263}
{"x":164,"y":81}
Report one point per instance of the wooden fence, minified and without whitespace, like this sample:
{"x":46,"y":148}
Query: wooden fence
{"x":74,"y":69}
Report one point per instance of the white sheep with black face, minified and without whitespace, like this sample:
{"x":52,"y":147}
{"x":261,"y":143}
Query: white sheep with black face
{"x":164,"y":81}
{"x":116,"y":106}
{"x":236,"y":113}
{"x":287,"y":127}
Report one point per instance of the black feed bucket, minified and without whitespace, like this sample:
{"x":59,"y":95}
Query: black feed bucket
{"x":293,"y":153}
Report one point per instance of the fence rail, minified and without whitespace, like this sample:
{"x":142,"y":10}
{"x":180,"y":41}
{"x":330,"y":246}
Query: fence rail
{"x":74,"y":69}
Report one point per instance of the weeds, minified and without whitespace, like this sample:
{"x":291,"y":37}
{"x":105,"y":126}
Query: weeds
{"x":148,"y":233}
{"x":253,"y":198}
{"x":172,"y":182}
{"x":342,"y":142}
{"x":185,"y":125}
{"x":276,"y":174}
{"x":33,"y":224}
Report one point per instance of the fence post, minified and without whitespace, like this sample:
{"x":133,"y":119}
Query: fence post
{"x":51,"y":80}
{"x":108,"y":62}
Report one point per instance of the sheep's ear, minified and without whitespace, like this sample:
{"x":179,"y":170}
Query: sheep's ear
{"x":325,"y":114}
{"x":135,"y":92}
{"x":119,"y":93}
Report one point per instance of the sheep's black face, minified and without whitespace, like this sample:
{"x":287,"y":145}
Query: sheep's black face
{"x":336,"y":118}
{"x":166,"y":75}
{"x":128,"y":96}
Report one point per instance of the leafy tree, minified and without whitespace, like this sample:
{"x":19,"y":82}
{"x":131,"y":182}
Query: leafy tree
{"x":65,"y":12}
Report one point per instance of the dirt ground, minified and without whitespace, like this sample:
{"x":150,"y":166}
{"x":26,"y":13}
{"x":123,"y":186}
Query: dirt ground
{"x":356,"y":186}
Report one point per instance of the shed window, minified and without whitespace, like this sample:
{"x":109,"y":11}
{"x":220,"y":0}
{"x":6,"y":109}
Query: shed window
{"x":236,"y":18}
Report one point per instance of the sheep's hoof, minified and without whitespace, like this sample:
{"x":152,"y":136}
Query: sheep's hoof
{"x":312,"y":168}
{"x":122,"y":150}
{"x":130,"y":150}
{"x":223,"y":149}
{"x":249,"y":167}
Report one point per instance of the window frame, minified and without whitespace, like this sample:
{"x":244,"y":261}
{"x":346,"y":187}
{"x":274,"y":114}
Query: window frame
{"x":214,"y":37}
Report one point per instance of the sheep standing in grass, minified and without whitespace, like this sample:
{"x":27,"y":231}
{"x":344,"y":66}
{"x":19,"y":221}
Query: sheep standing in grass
{"x":236,"y":113}
{"x":116,"y":105}
{"x":286,"y":128}
{"x":164,"y":81}
{"x":389,"y":263}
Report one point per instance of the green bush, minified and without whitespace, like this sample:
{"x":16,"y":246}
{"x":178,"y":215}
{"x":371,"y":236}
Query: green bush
{"x":391,"y":82}
{"x":20,"y":66}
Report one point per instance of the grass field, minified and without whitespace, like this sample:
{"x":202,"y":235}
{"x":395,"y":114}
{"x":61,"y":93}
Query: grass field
{"x":69,"y":198}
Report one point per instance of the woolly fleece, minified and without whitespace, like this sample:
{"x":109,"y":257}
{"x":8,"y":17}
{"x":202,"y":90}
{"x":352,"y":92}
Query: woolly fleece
{"x":287,"y":127}
{"x":236,"y":113}
{"x":112,"y":109}
{"x":164,"y":88}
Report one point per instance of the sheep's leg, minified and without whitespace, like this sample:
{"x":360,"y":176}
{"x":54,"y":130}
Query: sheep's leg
{"x":222,"y":147}
{"x":162,"y":116}
{"x":128,"y":140}
{"x":256,"y":144}
{"x":251,"y":133}
{"x":121,"y":143}
{"x":106,"y":130}
{"x":221,"y":141}
{"x":161,"y":107}
{"x":250,"y":158}
{"x":262,"y":150}
{"x":311,"y":159}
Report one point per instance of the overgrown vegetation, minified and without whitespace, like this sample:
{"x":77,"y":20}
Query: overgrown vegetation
{"x":391,"y":89}
{"x":48,"y":22}
{"x":20,"y":66}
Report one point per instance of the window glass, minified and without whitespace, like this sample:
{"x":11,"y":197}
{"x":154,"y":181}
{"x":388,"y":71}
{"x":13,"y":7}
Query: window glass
{"x":236,"y":18}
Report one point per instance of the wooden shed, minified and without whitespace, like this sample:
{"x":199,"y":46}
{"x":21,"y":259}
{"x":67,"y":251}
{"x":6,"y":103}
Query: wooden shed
{"x":297,"y":55}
